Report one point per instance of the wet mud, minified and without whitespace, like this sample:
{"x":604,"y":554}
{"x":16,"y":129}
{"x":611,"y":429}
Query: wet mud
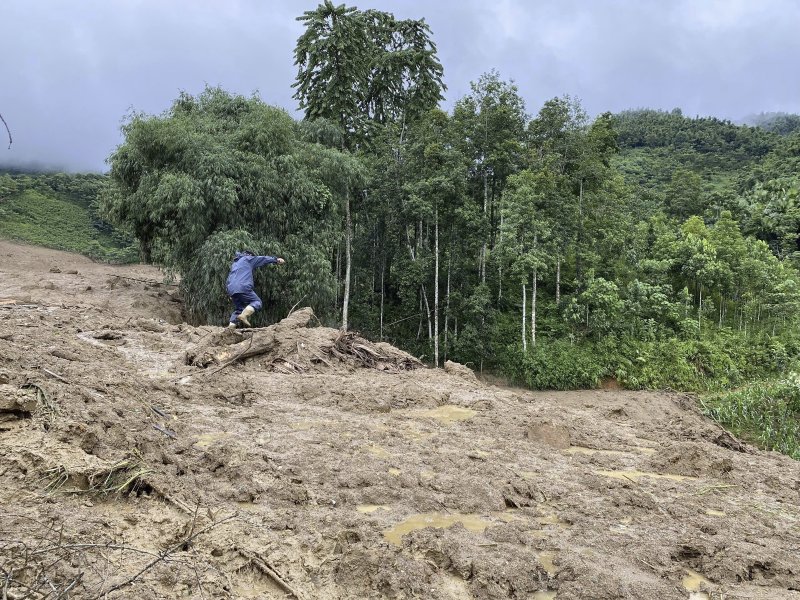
{"x":141,"y":457}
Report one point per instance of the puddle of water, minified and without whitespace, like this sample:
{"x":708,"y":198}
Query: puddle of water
{"x":715,"y":513}
{"x":454,"y":588}
{"x":394,"y":471}
{"x":552,"y":519}
{"x":634,"y":475}
{"x":378,"y":451}
{"x":206,"y":440}
{"x":248,"y":506}
{"x":446,"y":414}
{"x":473,"y":523}
{"x":371,"y":508}
{"x":692,"y":582}
{"x":507,"y":516}
{"x":546,"y":560}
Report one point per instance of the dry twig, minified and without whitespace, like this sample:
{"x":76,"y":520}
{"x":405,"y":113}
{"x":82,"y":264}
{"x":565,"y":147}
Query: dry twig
{"x":267,"y":570}
{"x":163,"y":556}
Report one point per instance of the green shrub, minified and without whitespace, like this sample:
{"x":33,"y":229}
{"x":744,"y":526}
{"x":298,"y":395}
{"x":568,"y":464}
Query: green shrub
{"x":765,"y":413}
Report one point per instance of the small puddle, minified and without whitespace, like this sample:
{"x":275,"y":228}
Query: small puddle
{"x":371,"y":508}
{"x":206,"y":440}
{"x":455,"y":586}
{"x":546,"y":560}
{"x":378,"y":452}
{"x":692,"y":582}
{"x":449,"y":413}
{"x":634,"y":475}
{"x":552,"y":519}
{"x":472,"y":523}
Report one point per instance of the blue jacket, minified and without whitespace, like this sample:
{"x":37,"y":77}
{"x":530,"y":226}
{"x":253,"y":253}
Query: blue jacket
{"x":240,"y":279}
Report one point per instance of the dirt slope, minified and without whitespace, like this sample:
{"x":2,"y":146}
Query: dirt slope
{"x":144,"y":458}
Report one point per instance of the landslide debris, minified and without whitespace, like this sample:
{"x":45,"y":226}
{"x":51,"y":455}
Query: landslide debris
{"x":141,"y":457}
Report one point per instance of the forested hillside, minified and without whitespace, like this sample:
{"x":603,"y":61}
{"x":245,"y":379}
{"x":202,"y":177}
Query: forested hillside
{"x":59,"y":210}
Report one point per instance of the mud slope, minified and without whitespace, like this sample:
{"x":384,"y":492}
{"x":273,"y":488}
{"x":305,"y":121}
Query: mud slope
{"x":144,"y":458}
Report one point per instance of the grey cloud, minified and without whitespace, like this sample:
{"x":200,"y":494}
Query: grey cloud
{"x":72,"y":70}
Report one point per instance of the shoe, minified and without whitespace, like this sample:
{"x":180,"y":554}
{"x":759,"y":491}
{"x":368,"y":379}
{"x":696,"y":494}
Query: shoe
{"x":248,"y":310}
{"x":231,"y":325}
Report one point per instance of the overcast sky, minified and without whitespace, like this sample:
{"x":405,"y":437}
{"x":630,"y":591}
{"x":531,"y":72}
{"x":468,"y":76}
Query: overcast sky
{"x":72,"y":69}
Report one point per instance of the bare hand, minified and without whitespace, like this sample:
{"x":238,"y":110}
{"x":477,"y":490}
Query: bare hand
{"x":281,"y":261}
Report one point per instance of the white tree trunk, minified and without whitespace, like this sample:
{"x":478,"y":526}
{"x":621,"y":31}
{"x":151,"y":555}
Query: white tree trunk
{"x":558,"y":280}
{"x":348,"y":257}
{"x":533,"y":310}
{"x":524,"y":316}
{"x":485,"y":209}
{"x":383,"y":292}
{"x":436,"y":289}
{"x":447,"y":306}
{"x":700,"y":313}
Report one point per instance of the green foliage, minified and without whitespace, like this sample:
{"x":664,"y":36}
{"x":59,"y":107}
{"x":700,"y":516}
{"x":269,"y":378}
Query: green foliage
{"x":46,"y":218}
{"x":360,"y":68}
{"x":559,"y":365}
{"x":221,"y":163}
{"x":765,"y":413}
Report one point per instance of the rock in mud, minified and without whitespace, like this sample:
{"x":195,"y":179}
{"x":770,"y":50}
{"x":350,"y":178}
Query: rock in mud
{"x":16,"y":401}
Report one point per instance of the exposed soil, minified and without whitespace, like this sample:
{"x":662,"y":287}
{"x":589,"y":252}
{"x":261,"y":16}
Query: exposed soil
{"x":141,"y":457}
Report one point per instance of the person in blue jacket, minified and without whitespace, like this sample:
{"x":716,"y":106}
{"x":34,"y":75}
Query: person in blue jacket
{"x":240,"y":285}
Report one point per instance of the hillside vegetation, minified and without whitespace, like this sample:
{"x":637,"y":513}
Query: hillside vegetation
{"x":58,"y":210}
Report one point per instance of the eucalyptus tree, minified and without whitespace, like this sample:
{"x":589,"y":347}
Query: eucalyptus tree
{"x":526,"y":234}
{"x":434,"y":189}
{"x":556,"y":141}
{"x":491,"y":122}
{"x":217,"y":172}
{"x":362,"y":69}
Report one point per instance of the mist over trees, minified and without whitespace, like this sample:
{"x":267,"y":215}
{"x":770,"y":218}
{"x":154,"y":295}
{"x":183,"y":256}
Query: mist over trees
{"x":533,"y":241}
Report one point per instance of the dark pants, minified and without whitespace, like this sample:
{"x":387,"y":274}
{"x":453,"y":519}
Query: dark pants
{"x":241,"y":300}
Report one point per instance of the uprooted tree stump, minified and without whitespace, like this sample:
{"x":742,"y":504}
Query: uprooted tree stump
{"x":291,"y":346}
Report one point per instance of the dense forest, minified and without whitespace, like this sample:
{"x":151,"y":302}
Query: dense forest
{"x":645,"y":249}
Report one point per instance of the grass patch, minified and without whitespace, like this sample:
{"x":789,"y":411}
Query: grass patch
{"x":43,"y":220}
{"x":764,"y":413}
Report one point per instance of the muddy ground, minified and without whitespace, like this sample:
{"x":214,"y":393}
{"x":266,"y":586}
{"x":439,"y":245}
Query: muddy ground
{"x":327,"y":467}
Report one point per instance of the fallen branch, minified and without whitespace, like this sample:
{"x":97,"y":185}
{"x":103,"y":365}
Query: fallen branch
{"x":234,"y":359}
{"x":291,"y":310}
{"x":163,"y":556}
{"x":10,"y":141}
{"x":55,"y":375}
{"x":269,"y":572}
